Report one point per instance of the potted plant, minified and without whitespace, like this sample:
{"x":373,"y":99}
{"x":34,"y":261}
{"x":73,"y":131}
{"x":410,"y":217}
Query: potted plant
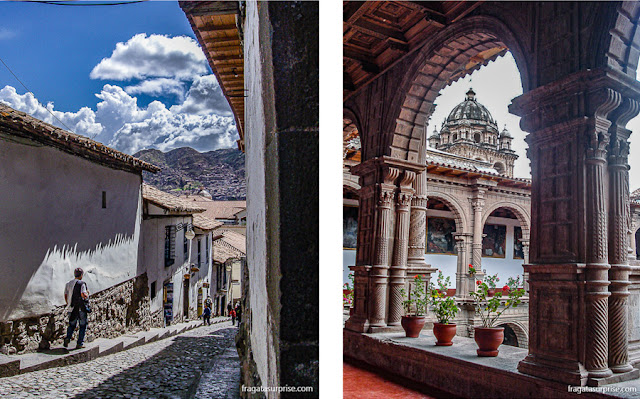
{"x":472,"y":270}
{"x":347,"y":294}
{"x":445,"y":309}
{"x":415,"y":306}
{"x":491,"y":282}
{"x":488,"y":337}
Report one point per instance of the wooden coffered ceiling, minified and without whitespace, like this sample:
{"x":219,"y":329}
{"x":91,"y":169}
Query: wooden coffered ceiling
{"x":217,"y":27}
{"x":377,"y":34}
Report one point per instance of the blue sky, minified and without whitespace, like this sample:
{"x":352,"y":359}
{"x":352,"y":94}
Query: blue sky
{"x":131,"y":76}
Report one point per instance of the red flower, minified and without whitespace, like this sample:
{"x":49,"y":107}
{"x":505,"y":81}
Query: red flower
{"x":478,"y":282}
{"x":416,"y":276}
{"x":505,"y":288}
{"x":470,"y":266}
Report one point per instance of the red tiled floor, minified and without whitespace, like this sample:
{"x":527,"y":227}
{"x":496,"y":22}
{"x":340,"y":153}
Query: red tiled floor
{"x":359,"y":383}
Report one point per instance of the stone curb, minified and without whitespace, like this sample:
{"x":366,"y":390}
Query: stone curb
{"x":11,"y":365}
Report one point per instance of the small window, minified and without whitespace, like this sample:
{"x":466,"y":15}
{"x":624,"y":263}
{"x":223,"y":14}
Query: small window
{"x":476,"y":137}
{"x":185,"y":244}
{"x":153,"y":290}
{"x":169,"y":245}
{"x":104,"y":200}
{"x":199,"y":251}
{"x":455,"y":137}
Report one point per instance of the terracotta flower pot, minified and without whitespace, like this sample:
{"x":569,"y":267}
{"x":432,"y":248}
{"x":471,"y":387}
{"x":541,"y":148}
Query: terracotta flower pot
{"x":488,"y":340}
{"x":413,"y":325}
{"x":444,"y":333}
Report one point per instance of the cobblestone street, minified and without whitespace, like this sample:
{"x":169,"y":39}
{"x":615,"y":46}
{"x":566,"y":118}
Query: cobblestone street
{"x":169,"y":368}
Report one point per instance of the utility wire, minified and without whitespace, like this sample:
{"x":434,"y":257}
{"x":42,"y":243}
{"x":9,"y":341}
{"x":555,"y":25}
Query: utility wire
{"x":77,"y":3}
{"x":29,"y":91}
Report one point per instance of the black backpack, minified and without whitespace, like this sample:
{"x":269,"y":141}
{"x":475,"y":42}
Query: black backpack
{"x":77,"y":301}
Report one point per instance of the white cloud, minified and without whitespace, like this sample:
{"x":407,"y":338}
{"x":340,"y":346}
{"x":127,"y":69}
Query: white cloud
{"x":204,"y":97}
{"x":145,"y":56}
{"x":120,"y":123}
{"x":165,"y":131}
{"x":82,"y":122}
{"x":158,"y":87}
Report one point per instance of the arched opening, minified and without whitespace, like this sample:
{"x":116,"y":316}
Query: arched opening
{"x":499,"y":167}
{"x":510,"y":337}
{"x":476,"y":137}
{"x":503,"y":251}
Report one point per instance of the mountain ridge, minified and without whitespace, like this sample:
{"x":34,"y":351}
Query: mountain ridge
{"x":184,"y":169}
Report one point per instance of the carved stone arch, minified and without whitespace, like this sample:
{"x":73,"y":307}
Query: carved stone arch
{"x":624,"y":44}
{"x":462,"y":224}
{"x":521,"y":331}
{"x":433,"y":68}
{"x":523,"y":215}
{"x":349,"y":114}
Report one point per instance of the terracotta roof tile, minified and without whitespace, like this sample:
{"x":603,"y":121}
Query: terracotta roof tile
{"x":168,"y":201}
{"x":19,"y":124}
{"x":230,"y":245}
{"x":217,"y":209}
{"x":204,"y":223}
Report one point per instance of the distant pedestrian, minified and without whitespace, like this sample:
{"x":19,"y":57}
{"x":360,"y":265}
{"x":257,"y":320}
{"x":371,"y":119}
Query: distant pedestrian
{"x":74,"y":295}
{"x":206,"y":316}
{"x":229,"y":308}
{"x":208,"y":303}
{"x":239,"y":313}
{"x":232,"y":313}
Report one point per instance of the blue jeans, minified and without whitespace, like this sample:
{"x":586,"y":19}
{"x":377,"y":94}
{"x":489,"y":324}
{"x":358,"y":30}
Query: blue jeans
{"x":73,"y":321}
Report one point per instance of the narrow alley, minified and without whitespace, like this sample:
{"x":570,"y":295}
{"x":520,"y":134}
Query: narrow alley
{"x":200,"y":363}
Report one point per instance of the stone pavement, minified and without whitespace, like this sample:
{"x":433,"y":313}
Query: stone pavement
{"x":168,"y":368}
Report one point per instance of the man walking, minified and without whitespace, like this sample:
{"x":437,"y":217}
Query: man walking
{"x":239,"y":313}
{"x":74,"y":294}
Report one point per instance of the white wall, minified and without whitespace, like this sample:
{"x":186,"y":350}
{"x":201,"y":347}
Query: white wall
{"x":52,"y":221}
{"x":153,"y":233}
{"x":255,"y":145}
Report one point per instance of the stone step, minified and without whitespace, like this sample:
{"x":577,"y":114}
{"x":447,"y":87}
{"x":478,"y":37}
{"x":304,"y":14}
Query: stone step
{"x":11,"y":365}
{"x":57,"y":357}
{"x":108,"y":346}
{"x":131,"y":341}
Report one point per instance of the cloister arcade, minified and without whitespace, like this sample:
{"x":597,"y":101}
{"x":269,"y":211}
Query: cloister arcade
{"x":578,"y":64}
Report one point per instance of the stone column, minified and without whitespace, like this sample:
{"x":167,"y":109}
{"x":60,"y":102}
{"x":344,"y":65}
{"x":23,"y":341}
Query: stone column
{"x":619,"y":221}
{"x":461,"y":285}
{"x":597,"y":267}
{"x":618,"y":258}
{"x":462,"y":273}
{"x":525,"y":275}
{"x":401,"y":241}
{"x":418,"y":223}
{"x":379,"y":274}
{"x":568,"y":124}
{"x":478,"y":204}
{"x":631,"y":256}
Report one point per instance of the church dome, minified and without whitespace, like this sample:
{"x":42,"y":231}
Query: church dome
{"x":205,"y":193}
{"x":472,"y":111}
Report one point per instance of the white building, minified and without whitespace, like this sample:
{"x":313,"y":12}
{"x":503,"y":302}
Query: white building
{"x":169,"y":254}
{"x":67,"y":202}
{"x":229,"y":254}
